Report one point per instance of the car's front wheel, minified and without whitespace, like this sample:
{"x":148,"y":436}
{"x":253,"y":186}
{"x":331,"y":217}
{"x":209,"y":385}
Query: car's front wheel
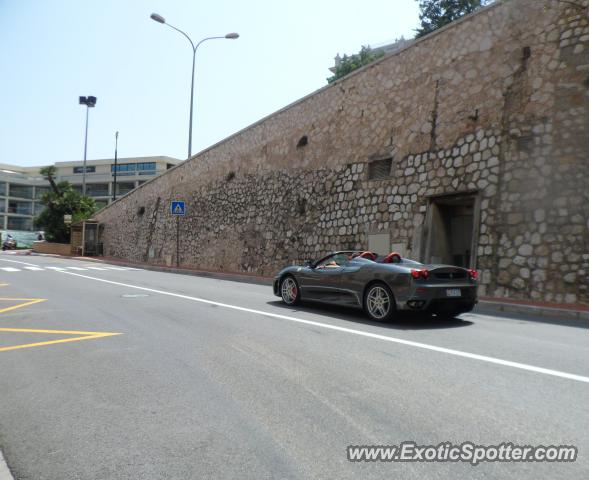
{"x":289,"y":290}
{"x":379,"y":303}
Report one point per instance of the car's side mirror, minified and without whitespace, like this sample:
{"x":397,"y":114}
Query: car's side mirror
{"x":310,"y":264}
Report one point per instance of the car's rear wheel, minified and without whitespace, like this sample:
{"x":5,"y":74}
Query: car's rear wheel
{"x":289,"y":290}
{"x":379,"y":303}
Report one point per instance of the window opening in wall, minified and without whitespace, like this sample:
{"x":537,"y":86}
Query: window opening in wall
{"x":303,"y":141}
{"x":526,"y":52}
{"x":380,"y":169}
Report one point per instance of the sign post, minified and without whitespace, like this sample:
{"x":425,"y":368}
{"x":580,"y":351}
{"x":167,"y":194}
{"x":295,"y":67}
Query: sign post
{"x":178,"y":209}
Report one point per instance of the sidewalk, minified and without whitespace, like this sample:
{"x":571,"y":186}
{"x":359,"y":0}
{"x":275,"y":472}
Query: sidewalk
{"x":486,"y":304}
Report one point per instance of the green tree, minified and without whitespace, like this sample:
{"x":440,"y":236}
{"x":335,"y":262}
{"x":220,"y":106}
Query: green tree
{"x":437,"y":13}
{"x":353,"y":62}
{"x":61,"y":200}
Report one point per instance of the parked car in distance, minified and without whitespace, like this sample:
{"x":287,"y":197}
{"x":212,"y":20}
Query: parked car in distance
{"x":381,"y":285}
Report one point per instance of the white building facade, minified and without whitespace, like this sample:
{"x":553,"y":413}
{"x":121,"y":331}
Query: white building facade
{"x":21,"y":188}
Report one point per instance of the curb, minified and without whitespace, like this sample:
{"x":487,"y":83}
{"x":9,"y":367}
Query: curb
{"x":542,"y":311}
{"x":230,"y":276}
{"x":4,"y":471}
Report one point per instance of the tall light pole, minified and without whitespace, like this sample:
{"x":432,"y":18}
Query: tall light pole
{"x":231,"y":36}
{"x":90,"y":102}
{"x":114,"y":190}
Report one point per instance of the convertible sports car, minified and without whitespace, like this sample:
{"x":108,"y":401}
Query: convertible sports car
{"x":381,"y":286}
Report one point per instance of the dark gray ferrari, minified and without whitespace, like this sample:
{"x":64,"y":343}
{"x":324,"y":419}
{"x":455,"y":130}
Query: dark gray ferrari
{"x":381,"y":285}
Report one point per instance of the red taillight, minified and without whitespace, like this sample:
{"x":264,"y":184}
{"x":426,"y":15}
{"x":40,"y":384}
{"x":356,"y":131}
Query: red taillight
{"x":473,"y":274}
{"x":420,"y":274}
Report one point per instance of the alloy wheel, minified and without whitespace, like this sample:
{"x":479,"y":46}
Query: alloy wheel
{"x":378,"y":302}
{"x":289,"y":290}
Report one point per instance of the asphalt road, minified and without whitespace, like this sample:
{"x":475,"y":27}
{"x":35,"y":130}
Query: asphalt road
{"x":216,"y":379}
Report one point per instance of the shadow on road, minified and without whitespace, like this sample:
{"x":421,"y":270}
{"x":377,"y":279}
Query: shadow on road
{"x":406,"y":322}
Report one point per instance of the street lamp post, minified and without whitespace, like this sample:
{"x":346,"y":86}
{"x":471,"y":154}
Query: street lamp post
{"x":90,"y":102}
{"x":114,"y":191}
{"x":231,"y":36}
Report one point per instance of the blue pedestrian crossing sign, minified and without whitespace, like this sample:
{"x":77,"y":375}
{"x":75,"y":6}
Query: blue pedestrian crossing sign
{"x":178,"y":207}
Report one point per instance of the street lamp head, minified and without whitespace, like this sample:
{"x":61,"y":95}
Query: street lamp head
{"x":232,"y":36}
{"x":157,"y":18}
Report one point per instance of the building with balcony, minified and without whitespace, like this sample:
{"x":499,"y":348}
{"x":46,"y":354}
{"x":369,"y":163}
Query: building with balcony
{"x":21,"y":188}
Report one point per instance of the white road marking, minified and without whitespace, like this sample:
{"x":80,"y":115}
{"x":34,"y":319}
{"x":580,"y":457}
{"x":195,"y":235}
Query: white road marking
{"x":17,"y":261}
{"x":4,"y":472}
{"x":10,"y":269}
{"x":425,"y":346}
{"x":33,"y":267}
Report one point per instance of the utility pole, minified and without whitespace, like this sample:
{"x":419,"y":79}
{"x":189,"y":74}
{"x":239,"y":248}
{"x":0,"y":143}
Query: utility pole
{"x":114,"y":187}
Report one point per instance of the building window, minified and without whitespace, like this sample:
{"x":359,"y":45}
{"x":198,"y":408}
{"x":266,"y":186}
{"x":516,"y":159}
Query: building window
{"x":38,"y":208}
{"x":21,"y":191}
{"x":124,"y":188}
{"x":146,"y":166}
{"x":124,"y":169}
{"x":22,"y":208}
{"x":81,"y":169}
{"x":40,"y":191}
{"x":3,"y":188}
{"x":2,"y":206}
{"x":380,"y":169}
{"x":19,"y":223}
{"x":97,"y":189}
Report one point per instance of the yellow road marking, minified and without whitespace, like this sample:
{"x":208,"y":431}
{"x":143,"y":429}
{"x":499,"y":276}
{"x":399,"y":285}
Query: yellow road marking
{"x":4,"y":284}
{"x":28,"y":301}
{"x":81,"y":336}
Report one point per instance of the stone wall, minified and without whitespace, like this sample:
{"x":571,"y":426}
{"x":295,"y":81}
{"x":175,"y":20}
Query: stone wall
{"x":496,"y":105}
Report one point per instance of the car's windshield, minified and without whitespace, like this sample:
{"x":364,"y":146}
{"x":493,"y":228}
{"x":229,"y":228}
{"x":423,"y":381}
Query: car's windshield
{"x":334,"y":261}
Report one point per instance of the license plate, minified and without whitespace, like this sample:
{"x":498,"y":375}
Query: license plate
{"x":453,"y":292}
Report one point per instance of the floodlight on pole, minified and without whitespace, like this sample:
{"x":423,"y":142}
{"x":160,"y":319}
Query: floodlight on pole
{"x":90,"y":102}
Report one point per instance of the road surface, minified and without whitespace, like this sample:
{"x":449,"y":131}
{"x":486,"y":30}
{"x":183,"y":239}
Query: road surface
{"x":114,"y":373}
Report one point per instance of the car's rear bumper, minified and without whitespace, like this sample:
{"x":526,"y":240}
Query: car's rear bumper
{"x":436,"y":299}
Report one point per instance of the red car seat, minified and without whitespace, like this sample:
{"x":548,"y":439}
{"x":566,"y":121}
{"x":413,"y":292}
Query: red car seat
{"x":367,"y":255}
{"x":392,"y":257}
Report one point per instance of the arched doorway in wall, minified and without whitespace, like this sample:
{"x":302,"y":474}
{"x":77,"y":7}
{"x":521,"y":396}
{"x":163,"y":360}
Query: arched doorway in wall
{"x":452,"y":230}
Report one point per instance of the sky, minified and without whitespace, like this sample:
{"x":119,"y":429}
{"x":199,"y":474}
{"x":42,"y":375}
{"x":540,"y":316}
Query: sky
{"x":53,"y":51}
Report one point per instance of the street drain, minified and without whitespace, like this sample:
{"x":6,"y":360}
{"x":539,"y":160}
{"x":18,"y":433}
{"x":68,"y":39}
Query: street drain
{"x":135,"y":295}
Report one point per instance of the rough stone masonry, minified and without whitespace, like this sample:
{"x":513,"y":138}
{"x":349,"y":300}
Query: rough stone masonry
{"x":494,"y":108}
